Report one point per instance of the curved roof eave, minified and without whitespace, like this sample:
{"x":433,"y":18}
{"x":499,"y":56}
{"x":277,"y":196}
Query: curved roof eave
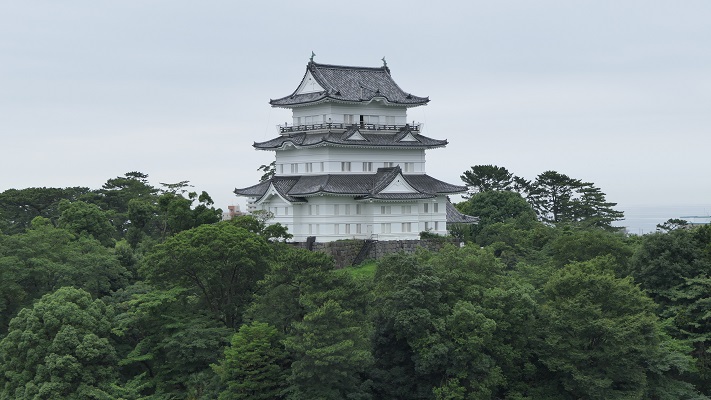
{"x":331,"y":99}
{"x":288,"y":144}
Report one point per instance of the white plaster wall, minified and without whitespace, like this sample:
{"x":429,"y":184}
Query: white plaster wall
{"x":332,"y":157}
{"x":319,"y":218}
{"x":336,"y":111}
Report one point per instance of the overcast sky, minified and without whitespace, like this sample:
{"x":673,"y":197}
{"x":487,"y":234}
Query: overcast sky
{"x":613,"y":92}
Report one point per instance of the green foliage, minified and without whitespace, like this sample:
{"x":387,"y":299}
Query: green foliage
{"x":45,"y":258}
{"x":257,"y":223}
{"x":673,"y":268}
{"x":220,"y":264}
{"x":268,"y":171}
{"x":530,"y":310}
{"x":83,"y":218}
{"x":363,"y":271}
{"x":176,"y":213}
{"x":59,"y":348}
{"x":331,"y":354}
{"x":665,"y":260}
{"x":322,"y":313}
{"x":255,"y":366}
{"x":19,"y":207}
{"x":485,"y":178}
{"x":672,"y":224}
{"x":555,"y":197}
{"x":167,"y":342}
{"x":601,"y":337}
{"x":586,"y":244}
{"x":432,"y":336}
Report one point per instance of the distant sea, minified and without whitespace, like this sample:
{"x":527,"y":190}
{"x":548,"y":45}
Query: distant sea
{"x":641,"y":219}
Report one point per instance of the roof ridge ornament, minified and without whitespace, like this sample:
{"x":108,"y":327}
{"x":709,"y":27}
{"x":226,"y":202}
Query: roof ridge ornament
{"x":312,"y":56}
{"x":385,"y":63}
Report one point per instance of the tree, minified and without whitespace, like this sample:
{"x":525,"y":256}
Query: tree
{"x":257,"y":223}
{"x":220,"y":264}
{"x":167,"y":342}
{"x":255,"y":366}
{"x":176,"y":213}
{"x":45,"y":258}
{"x":331,"y":354}
{"x":586,"y":244}
{"x":59,"y":348}
{"x":557,"y":198}
{"x":19,"y":207}
{"x":496,"y":206}
{"x":268,"y":171}
{"x":84,"y":218}
{"x":116,"y":194}
{"x":485,"y":178}
{"x":322,"y":314}
{"x":672,"y":224}
{"x":602,"y":340}
{"x":432,"y":336}
{"x":674,"y":268}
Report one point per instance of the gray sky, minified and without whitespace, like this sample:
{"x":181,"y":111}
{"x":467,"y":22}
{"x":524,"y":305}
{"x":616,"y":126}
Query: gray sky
{"x":613,"y":92}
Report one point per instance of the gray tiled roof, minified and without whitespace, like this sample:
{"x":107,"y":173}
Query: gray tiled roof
{"x":351,"y":84}
{"x":456,"y":217}
{"x":340,"y":139}
{"x":359,"y":186}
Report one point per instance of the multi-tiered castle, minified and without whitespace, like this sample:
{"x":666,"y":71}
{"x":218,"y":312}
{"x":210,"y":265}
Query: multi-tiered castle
{"x":350,"y":165}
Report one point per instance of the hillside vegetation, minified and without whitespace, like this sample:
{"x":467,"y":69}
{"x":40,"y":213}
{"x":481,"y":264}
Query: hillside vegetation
{"x":136,"y":292}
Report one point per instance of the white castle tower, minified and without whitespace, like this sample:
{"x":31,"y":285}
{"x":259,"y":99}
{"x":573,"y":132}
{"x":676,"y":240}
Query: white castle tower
{"x":350,"y":166}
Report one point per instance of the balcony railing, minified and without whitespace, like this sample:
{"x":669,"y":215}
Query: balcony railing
{"x":340,"y":125}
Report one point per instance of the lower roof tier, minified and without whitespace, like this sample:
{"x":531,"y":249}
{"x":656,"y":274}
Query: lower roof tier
{"x":387,"y":184}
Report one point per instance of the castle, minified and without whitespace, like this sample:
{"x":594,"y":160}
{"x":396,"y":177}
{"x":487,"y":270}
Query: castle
{"x":350,"y":165}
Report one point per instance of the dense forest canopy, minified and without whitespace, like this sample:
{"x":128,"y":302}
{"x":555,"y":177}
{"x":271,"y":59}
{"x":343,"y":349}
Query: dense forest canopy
{"x":132,"y":291}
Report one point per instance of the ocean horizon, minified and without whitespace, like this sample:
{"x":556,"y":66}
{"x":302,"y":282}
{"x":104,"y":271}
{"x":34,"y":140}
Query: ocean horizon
{"x":643,"y":219}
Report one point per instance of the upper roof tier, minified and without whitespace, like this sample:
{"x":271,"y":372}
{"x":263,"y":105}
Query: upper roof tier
{"x":343,"y":84}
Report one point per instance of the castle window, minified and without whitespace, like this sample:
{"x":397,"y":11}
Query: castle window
{"x":348,"y":209}
{"x":385,"y":228}
{"x":336,"y":210}
{"x":385,"y":209}
{"x":367,"y":166}
{"x":406,"y":226}
{"x":309,"y":167}
{"x":346,"y":166}
{"x":359,"y":209}
{"x":435,"y":207}
{"x":388,"y":164}
{"x":348,"y":119}
{"x":409,"y":166}
{"x":336,"y":229}
{"x":406,"y":209}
